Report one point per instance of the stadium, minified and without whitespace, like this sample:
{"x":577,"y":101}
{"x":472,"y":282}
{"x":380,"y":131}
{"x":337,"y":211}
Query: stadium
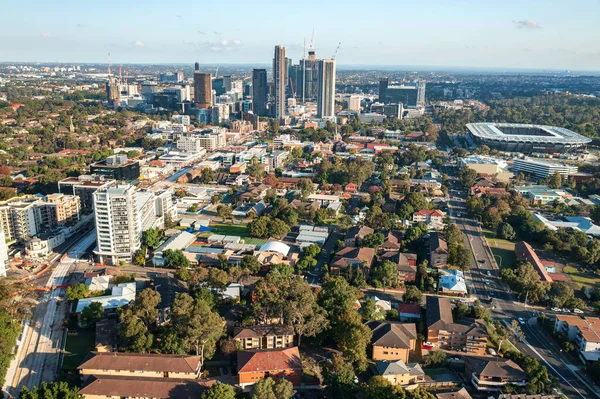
{"x":514,"y":137}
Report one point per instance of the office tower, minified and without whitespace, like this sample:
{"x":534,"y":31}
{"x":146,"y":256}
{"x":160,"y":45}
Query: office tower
{"x":383,"y":85}
{"x":3,"y":253}
{"x":421,"y":93}
{"x":259,"y":92}
{"x":202,"y":88}
{"x":218,"y":86}
{"x":326,"y":97}
{"x":219,"y":114}
{"x":354,"y":103}
{"x":279,"y":68}
{"x":227,"y":84}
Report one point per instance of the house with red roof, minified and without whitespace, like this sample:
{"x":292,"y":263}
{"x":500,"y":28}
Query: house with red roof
{"x":526,"y":253}
{"x":434,"y":218}
{"x":278,"y":364}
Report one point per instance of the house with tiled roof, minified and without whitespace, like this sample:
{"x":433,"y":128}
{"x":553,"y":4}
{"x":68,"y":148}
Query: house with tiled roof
{"x":139,"y":387}
{"x":438,"y":251}
{"x":391,"y":242}
{"x":255,"y":365}
{"x":356,"y":234}
{"x":409,"y":311}
{"x":400,"y":373}
{"x":268,"y":336}
{"x":584,"y":332}
{"x":407,"y":266}
{"x":433,"y":218}
{"x":392,"y":340}
{"x":459,"y":394}
{"x":353,"y":256}
{"x":488,"y":373}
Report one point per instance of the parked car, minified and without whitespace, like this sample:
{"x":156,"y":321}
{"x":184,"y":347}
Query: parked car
{"x":578,"y":311}
{"x":521,"y":320}
{"x":555,"y":309}
{"x":487,"y":282}
{"x":491,"y":351}
{"x":565,"y":310}
{"x":427,"y":345}
{"x":463,"y":300}
{"x":489,"y":273}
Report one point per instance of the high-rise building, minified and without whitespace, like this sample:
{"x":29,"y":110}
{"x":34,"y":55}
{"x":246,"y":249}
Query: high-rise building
{"x":326,"y":97}
{"x":219,"y":114}
{"x":279,"y":73}
{"x":260,"y":90}
{"x":122,"y":214}
{"x":84,"y":186}
{"x":410,"y":96}
{"x":202,"y":88}
{"x":3,"y":253}
{"x":421,"y":93}
{"x":354,"y":103}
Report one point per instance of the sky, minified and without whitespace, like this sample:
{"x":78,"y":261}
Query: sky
{"x":536,"y":34}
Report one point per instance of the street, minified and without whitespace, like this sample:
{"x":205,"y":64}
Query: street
{"x":38,"y":352}
{"x":505,"y":307}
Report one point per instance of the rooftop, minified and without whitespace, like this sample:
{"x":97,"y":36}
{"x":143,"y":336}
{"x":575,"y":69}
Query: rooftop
{"x":142,"y":387}
{"x":525,"y":133}
{"x":140,"y":362}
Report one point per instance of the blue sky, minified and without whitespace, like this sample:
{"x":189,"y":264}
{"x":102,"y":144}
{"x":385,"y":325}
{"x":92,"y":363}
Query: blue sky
{"x":544,"y":34}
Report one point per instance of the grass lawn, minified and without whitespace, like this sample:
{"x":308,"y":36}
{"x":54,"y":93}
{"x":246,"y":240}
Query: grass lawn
{"x":431,"y":372}
{"x":580,"y":278}
{"x":230,"y":230}
{"x":77,"y":347}
{"x":502,"y":249}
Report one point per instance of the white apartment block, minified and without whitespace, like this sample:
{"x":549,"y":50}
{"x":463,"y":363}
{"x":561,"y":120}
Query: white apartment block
{"x":583,"y":332}
{"x":219,"y":113}
{"x":122,"y":214}
{"x":275,"y":159}
{"x":541,"y":168}
{"x":3,"y":253}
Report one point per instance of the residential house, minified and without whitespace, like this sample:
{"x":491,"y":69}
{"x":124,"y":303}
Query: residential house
{"x":117,"y":387}
{"x":460,"y":394}
{"x":270,"y":336}
{"x":583,"y":332}
{"x":468,"y":335}
{"x":492,"y":373}
{"x":453,"y":282}
{"x":106,"y":335}
{"x":140,"y":365}
{"x":392,"y":340}
{"x":399,"y":373}
{"x":438,"y":251}
{"x":304,"y":208}
{"x":478,"y":191}
{"x":433,"y":218}
{"x":255,"y":194}
{"x":525,"y":252}
{"x":120,"y":295}
{"x":391,"y":242}
{"x":288,"y":182}
{"x":255,"y":365}
{"x":353,"y":256}
{"x":356,"y":234}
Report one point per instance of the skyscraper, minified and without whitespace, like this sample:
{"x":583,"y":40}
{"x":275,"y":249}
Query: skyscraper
{"x":326,"y":96}
{"x":421,"y":93}
{"x":259,"y":92}
{"x":202,"y":88}
{"x":279,"y":72}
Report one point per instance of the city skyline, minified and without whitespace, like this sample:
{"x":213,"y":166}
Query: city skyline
{"x":537,"y":35}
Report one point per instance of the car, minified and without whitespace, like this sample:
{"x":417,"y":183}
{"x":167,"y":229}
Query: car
{"x":566,"y":310}
{"x":481,"y":260}
{"x":555,"y":309}
{"x":463,"y":300}
{"x":578,"y":311}
{"x":457,"y":214}
{"x":487,"y":282}
{"x":489,"y":273}
{"x":521,"y":320}
{"x":427,"y":345}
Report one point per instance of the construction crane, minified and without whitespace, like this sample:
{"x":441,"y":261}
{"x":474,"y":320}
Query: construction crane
{"x":336,"y":50}
{"x":292,"y":87}
{"x":312,"y":40}
{"x":217,"y":72}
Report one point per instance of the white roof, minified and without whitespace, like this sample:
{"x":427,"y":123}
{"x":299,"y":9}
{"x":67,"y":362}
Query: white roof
{"x":121,"y":295}
{"x":180,"y":240}
{"x":453,"y":280}
{"x":275,"y":246}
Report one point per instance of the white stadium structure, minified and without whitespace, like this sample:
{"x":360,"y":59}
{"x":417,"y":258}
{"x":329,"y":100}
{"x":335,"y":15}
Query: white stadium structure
{"x":515,"y":137}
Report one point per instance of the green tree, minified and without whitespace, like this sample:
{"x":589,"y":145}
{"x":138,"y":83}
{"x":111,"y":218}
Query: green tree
{"x":259,"y":227}
{"x":175,"y":258}
{"x":506,"y":232}
{"x":312,"y":251}
{"x":197,"y":325}
{"x":373,"y":240}
{"x":251,"y":263}
{"x":140,"y":257}
{"x":77,"y":291}
{"x":50,"y":390}
{"x":387,"y":274}
{"x":467,"y":176}
{"x":268,"y":388}
{"x":219,"y":391}
{"x":371,"y":311}
{"x":555,"y":181}
{"x":306,"y":187}
{"x":435,"y":358}
{"x":224,"y":211}
{"x":339,"y":377}
{"x":277,"y":228}
{"x":412,"y":295}
{"x":91,"y":314}
{"x":151,"y":238}
{"x":560,"y":293}
{"x":207,"y":175}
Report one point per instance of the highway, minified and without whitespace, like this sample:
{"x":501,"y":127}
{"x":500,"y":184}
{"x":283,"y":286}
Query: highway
{"x":505,"y":306}
{"x":38,"y":352}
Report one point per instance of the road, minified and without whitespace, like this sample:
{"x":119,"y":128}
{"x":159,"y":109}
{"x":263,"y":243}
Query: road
{"x":38,"y":352}
{"x":505,"y":307}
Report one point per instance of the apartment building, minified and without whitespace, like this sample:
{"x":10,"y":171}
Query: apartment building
{"x":583,"y":332}
{"x":542,"y":168}
{"x":117,"y":167}
{"x":210,"y":140}
{"x":64,"y":209}
{"x":3,"y":253}
{"x":275,"y":159}
{"x":392,"y":341}
{"x":140,"y":365}
{"x":469,"y":335}
{"x":278,"y":364}
{"x":431,"y":217}
{"x":271,"y":336}
{"x":492,"y":373}
{"x":84,"y":187}
{"x":122,"y":214}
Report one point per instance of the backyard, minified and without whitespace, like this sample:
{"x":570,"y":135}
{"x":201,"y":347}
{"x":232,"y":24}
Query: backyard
{"x":503,"y":250}
{"x":239,"y":230}
{"x":79,"y":343}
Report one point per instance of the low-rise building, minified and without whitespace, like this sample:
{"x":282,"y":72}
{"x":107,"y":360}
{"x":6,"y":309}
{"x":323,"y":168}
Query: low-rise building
{"x":117,"y":387}
{"x":542,"y":168}
{"x":180,"y":240}
{"x":392,"y":340}
{"x":353,"y":257}
{"x":269,"y":336}
{"x":433,"y":218}
{"x":438,"y":251}
{"x":356,"y":234}
{"x":399,"y":373}
{"x":278,"y":364}
{"x":120,"y":295}
{"x":117,"y":167}
{"x":542,"y":195}
{"x":491,"y":373}
{"x":583,"y":332}
{"x":525,"y":252}
{"x":453,"y":282}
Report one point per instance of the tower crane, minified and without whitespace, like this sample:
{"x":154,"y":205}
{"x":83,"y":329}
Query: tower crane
{"x":336,"y":50}
{"x":217,"y":72}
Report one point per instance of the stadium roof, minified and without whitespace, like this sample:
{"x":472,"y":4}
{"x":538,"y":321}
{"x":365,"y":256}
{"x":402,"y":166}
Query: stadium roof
{"x":539,"y":133}
{"x":275,"y":246}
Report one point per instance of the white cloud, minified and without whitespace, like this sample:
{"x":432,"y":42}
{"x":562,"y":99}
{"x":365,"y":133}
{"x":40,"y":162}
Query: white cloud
{"x":527,"y":24}
{"x":45,"y":34}
{"x":139,"y":43}
{"x":236,"y":42}
{"x":224,"y":43}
